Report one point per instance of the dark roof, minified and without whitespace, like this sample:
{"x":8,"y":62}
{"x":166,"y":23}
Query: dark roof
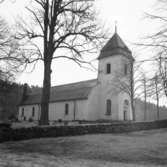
{"x":115,"y":46}
{"x":74,"y":91}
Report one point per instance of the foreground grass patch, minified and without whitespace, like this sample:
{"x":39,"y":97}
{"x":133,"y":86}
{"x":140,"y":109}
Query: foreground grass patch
{"x":145,"y":148}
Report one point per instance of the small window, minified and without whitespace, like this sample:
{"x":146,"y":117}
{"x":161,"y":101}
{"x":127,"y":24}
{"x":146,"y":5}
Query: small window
{"x":108,"y":107}
{"x":125,"y":69}
{"x":108,"y":68}
{"x":126,"y":102}
{"x":66,"y":109}
{"x":22,"y":112}
{"x":33,"y":111}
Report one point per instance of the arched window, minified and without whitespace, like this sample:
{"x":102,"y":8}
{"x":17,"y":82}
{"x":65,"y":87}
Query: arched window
{"x":33,"y":111}
{"x":108,"y":107}
{"x":125,"y":69}
{"x":66,"y":108}
{"x":126,"y":102}
{"x":108,"y":68}
{"x":22,"y":112}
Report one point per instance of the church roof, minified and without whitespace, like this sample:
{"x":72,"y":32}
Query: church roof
{"x":68,"y":92}
{"x":115,"y":46}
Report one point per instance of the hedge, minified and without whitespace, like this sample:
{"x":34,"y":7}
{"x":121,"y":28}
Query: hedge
{"x":9,"y":134}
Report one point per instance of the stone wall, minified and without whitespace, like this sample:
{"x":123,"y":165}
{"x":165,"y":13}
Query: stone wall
{"x":8,"y":134}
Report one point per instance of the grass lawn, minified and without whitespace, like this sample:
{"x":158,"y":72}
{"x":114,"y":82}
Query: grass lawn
{"x":145,"y":148}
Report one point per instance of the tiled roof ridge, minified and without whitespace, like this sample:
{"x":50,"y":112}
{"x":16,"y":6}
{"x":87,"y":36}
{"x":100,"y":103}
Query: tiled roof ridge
{"x":115,"y":46}
{"x":74,"y":83}
{"x":116,"y":40}
{"x":65,"y":85}
{"x":69,"y":92}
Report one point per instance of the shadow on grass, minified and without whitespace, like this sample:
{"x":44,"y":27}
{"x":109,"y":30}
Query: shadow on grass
{"x":81,"y":149}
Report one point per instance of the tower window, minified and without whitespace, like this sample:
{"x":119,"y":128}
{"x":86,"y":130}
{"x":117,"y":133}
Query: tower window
{"x":33,"y":111}
{"x":108,"y":107}
{"x":126,"y":104}
{"x":66,"y":109}
{"x":108,"y":68}
{"x":125,"y":69}
{"x":22,"y":112}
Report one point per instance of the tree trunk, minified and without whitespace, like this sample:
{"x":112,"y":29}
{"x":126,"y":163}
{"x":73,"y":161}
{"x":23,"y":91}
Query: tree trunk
{"x":157,"y":107}
{"x":145,"y":100}
{"x":45,"y":94}
{"x":157,"y":99}
{"x":132,"y":92}
{"x":165,"y":86}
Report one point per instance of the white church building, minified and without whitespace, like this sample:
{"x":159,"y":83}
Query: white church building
{"x":97,"y":99}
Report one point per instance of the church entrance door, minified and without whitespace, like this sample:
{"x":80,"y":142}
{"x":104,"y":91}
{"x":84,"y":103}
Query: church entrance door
{"x":125,"y":110}
{"x":125,"y":115}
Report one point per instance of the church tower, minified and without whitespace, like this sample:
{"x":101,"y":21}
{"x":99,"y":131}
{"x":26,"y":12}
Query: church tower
{"x":115,"y":78}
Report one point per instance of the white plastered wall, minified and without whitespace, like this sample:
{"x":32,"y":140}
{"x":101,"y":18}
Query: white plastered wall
{"x":122,"y":97}
{"x":57,"y":111}
{"x":93,"y":109}
{"x":77,"y":110}
{"x":108,"y":88}
{"x":28,"y":112}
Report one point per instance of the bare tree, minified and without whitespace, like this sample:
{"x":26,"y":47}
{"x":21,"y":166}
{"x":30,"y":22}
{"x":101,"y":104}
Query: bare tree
{"x":162,"y":63}
{"x":155,"y":90}
{"x":157,"y":41}
{"x":11,"y":57}
{"x":68,"y":30}
{"x":144,"y":82}
{"x":134,"y":83}
{"x":128,"y":82}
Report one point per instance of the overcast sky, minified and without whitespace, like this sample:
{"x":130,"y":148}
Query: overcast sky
{"x":131,"y":24}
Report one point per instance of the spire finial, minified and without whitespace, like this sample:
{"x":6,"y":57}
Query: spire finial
{"x":115,"y":26}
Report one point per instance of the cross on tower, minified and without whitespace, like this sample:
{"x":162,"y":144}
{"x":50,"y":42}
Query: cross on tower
{"x":115,"y":26}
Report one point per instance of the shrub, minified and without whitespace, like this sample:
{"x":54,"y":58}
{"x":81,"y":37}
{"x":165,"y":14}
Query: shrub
{"x":30,"y":119}
{"x":59,"y":120}
{"x":8,"y":134}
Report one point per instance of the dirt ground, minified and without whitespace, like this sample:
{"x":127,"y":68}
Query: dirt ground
{"x":137,"y":149}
